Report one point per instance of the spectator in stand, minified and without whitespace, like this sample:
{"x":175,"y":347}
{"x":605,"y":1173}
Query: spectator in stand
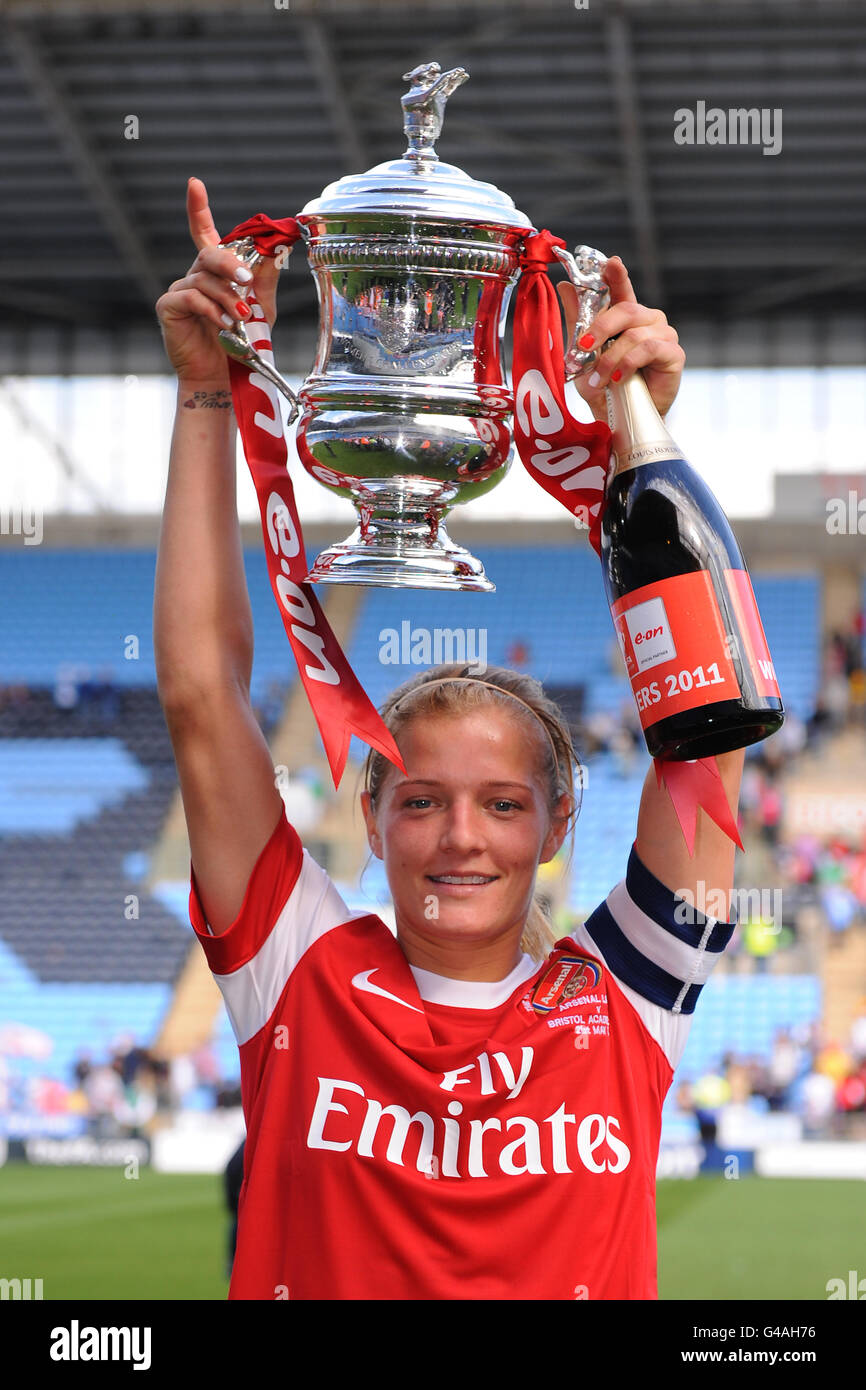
{"x":128,"y":1059}
{"x":183,"y":1080}
{"x":836,"y":697}
{"x":851,"y":1093}
{"x":206,"y":1067}
{"x":599,"y":731}
{"x":837,"y":899}
{"x":138,"y":1105}
{"x":816,"y":1101}
{"x":792,"y":737}
{"x":833,"y":1061}
{"x":820,"y":722}
{"x":770,"y":811}
{"x":857,"y":696}
{"x":82,"y":1067}
{"x":857,"y":1036}
{"x":857,"y":877}
{"x":750,"y":792}
{"x":104,"y":1091}
{"x":66,"y":688}
{"x":161,"y":1072}
{"x":518,"y":654}
{"x":624,"y":747}
{"x":785,"y":1065}
{"x":761,"y":941}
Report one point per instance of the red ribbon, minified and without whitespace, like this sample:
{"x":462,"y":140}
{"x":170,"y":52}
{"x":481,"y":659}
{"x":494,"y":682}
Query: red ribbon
{"x":570,"y":459}
{"x":268,"y":235}
{"x":339,"y":701}
{"x":694,"y":784}
{"x":566,"y":457}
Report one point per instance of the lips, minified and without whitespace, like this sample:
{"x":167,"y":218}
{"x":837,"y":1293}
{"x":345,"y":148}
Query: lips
{"x":462,"y":880}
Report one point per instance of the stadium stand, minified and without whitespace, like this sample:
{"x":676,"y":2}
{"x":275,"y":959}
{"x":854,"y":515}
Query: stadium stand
{"x":75,"y":610}
{"x":87,"y":776}
{"x":742,"y":1014}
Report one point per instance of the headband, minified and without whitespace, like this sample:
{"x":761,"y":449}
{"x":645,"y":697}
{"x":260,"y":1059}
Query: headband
{"x":473,"y":680}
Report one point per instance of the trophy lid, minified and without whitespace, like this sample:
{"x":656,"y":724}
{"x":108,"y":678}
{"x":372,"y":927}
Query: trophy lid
{"x":419,"y":184}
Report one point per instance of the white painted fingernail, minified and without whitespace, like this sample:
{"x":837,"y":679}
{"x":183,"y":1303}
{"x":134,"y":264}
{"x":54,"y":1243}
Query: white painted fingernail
{"x":595,"y":379}
{"x":227,"y":320}
{"x":244,"y":275}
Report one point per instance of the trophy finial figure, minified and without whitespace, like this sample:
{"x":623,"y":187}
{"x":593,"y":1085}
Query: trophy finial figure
{"x":585,"y":273}
{"x":424,"y":106}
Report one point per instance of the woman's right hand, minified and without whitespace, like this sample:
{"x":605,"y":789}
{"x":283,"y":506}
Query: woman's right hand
{"x":194,"y":309}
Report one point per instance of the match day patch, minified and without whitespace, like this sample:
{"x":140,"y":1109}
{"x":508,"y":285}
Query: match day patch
{"x":567,"y":977}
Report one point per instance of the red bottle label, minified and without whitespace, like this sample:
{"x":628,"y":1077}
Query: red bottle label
{"x":675,"y":645}
{"x":757,"y":653}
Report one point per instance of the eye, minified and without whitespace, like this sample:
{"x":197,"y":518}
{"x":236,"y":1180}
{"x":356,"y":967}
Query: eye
{"x":504,"y":804}
{"x":419,"y":802}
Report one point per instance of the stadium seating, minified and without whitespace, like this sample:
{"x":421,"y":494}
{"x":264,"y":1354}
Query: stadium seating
{"x":78,"y":609}
{"x":86,"y":777}
{"x":69,"y":907}
{"x":84,"y":789}
{"x":605,"y":829}
{"x":742,"y":1014}
{"x":552,"y":600}
{"x":77,"y":1017}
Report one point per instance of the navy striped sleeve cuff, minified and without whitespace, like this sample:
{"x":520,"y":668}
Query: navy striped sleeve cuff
{"x":656,"y":942}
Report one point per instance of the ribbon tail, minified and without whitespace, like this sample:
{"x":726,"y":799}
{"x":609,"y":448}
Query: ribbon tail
{"x":366,"y":725}
{"x":693,"y":785}
{"x":339,"y":702}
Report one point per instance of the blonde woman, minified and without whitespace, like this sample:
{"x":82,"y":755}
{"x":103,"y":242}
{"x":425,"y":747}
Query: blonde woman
{"x":466,"y":1110}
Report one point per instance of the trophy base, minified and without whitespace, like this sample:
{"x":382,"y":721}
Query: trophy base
{"x":389,"y":562}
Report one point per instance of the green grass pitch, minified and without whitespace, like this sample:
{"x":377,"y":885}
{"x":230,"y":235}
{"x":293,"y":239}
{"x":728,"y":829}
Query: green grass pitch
{"x":91,"y":1233}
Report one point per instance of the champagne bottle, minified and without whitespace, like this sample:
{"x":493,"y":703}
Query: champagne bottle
{"x":680,"y":595}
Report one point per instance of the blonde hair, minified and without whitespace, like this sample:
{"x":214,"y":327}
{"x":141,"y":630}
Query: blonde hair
{"x":454,"y":689}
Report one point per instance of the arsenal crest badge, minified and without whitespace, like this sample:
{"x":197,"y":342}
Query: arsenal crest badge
{"x":567,"y":977}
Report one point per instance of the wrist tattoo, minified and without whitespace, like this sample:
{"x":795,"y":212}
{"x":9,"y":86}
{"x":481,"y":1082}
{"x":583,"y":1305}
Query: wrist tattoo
{"x":209,"y":400}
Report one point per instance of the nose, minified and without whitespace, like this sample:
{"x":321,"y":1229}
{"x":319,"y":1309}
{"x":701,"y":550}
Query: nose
{"x":463,"y":831}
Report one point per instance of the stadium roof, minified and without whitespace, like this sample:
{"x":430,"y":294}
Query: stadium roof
{"x":757,"y":257}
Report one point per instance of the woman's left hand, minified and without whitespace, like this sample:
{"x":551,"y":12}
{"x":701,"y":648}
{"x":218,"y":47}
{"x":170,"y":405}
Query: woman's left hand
{"x":646,"y":341}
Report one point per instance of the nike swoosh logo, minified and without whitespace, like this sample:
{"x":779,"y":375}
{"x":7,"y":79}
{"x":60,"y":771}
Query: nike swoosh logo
{"x":362,"y":981}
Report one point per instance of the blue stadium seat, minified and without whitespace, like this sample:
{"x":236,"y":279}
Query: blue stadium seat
{"x":86,"y":605}
{"x":76,"y":1017}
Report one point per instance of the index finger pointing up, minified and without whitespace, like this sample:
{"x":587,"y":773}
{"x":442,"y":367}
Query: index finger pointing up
{"x":621,"y":289}
{"x":201,"y":223}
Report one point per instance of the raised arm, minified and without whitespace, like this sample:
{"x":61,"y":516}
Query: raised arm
{"x":661,"y":846}
{"x":203,"y":632}
{"x":645,"y":341}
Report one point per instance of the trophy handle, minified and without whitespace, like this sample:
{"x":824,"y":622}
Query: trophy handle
{"x":235,"y":342}
{"x":584,"y":271}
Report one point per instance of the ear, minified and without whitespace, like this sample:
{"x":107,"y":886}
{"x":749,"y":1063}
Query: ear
{"x":558,"y":828}
{"x":374,"y":839}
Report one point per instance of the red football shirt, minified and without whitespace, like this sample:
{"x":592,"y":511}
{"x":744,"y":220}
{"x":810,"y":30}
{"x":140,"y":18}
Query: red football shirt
{"x":411,"y":1136}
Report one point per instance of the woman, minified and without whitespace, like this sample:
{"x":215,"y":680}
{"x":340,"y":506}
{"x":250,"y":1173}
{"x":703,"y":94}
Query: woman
{"x":449,"y":1114}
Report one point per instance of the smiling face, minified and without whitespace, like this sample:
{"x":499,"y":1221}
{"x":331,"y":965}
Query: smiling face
{"x":462,"y":837}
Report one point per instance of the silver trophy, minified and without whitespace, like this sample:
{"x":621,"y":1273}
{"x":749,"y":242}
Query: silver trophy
{"x":406,"y":410}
